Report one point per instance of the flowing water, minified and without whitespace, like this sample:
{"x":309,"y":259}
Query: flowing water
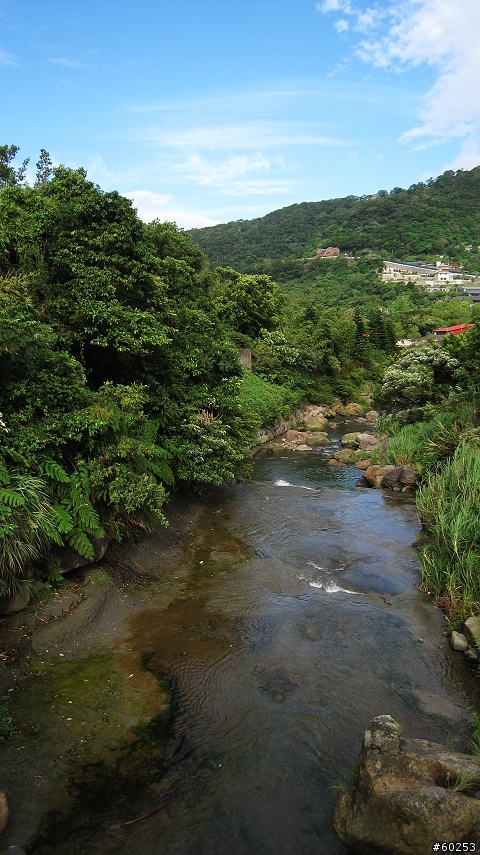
{"x":299,"y":618}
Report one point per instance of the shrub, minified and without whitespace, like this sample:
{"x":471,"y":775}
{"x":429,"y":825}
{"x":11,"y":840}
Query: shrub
{"x":266,"y":402}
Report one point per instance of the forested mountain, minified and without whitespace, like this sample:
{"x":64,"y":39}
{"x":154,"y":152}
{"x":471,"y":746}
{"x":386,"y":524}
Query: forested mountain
{"x":441,"y":216}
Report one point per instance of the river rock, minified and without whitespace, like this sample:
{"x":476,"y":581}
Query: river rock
{"x":471,"y":629}
{"x":404,"y":795}
{"x":345,"y":455}
{"x":3,"y":812}
{"x":350,"y":440}
{"x":351,"y":409}
{"x":362,"y":482}
{"x":363,"y":464}
{"x":69,"y":559}
{"x":367,"y":441}
{"x":375,"y":473}
{"x":334,"y":462}
{"x":472,"y":654}
{"x":296,"y":436}
{"x":372,"y":415}
{"x":302,"y":446}
{"x":13,"y":603}
{"x":329,"y":413}
{"x":398,"y":478}
{"x":317,"y":438}
{"x":458,"y":641}
{"x":316,"y":423}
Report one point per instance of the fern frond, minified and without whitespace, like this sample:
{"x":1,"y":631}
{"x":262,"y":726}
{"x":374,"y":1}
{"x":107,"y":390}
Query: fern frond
{"x":82,"y":472}
{"x":149,"y":431}
{"x":160,"y":469}
{"x":80,"y":542}
{"x":89,"y":518}
{"x":62,"y":519}
{"x":11,"y":498}
{"x":56,"y":472}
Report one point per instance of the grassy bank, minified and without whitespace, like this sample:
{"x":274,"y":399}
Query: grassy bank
{"x":445,"y":450}
{"x":266,"y":402}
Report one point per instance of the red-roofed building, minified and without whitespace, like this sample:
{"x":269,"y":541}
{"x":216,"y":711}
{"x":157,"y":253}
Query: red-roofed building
{"x":328,"y":252}
{"x":456,"y":329}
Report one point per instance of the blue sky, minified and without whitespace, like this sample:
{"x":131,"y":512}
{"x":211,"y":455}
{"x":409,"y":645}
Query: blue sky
{"x":204,"y":111}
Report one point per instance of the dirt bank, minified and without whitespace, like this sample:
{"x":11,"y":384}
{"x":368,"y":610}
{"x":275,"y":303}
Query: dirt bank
{"x":78,"y":696}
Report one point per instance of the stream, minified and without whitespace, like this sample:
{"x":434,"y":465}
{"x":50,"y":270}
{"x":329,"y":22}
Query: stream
{"x":291,"y":618}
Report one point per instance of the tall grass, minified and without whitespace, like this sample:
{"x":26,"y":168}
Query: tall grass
{"x":426,"y":443}
{"x":449,"y":506}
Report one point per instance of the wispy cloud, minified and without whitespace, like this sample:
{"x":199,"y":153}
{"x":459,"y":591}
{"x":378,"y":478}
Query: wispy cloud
{"x":216,"y":173}
{"x":7,"y":58}
{"x":229,"y":175}
{"x":151,"y":206}
{"x":68,"y":62}
{"x":437,"y":33}
{"x":248,"y":135}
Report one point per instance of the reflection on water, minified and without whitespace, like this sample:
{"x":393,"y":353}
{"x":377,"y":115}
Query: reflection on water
{"x":299,"y":622}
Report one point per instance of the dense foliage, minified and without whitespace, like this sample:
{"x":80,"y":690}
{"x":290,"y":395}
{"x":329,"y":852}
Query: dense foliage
{"x":118,"y":378}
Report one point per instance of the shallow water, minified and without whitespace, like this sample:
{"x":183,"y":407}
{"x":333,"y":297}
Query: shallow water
{"x":298,"y":620}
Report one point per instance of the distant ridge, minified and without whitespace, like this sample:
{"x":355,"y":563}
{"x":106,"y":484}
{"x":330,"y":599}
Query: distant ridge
{"x":439,"y":217}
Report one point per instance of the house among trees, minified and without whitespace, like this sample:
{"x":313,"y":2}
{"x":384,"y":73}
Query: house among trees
{"x":456,"y":329}
{"x":329,"y":252}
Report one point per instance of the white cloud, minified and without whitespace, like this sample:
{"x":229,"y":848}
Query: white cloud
{"x":442,"y":34}
{"x":152,"y":206}
{"x":341,"y":26}
{"x":217,"y":174}
{"x":67,"y":62}
{"x":225,"y":175}
{"x":248,"y":135}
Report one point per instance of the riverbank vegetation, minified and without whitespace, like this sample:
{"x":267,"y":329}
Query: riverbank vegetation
{"x":438,"y":432}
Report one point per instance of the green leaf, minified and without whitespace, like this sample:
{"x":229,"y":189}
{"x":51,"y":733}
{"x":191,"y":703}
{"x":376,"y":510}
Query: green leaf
{"x":56,"y":472}
{"x":11,"y":498}
{"x":62,"y":519}
{"x":80,"y":542}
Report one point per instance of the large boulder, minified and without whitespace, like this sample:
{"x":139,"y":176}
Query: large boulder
{"x":317,"y":438}
{"x":366,"y":441}
{"x":3,"y":812}
{"x":351,"y":410}
{"x":10,"y":604}
{"x":407,"y":794}
{"x":314,"y":423}
{"x":69,"y":559}
{"x":345,"y":455}
{"x":399,"y":478}
{"x":350,"y":440}
{"x":375,"y":473}
{"x":296,"y":436}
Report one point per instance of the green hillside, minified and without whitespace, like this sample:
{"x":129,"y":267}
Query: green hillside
{"x":440,"y":217}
